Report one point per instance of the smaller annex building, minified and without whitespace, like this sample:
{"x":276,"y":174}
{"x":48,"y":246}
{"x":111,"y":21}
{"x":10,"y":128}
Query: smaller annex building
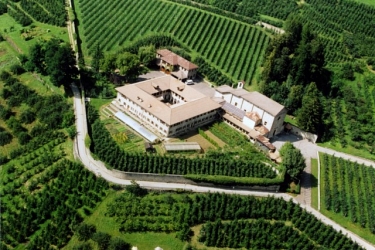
{"x":173,"y":64}
{"x":250,"y":111}
{"x":167,"y":105}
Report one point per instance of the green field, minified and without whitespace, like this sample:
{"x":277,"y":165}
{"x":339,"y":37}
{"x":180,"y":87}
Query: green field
{"x":369,"y":2}
{"x":15,"y":33}
{"x":233,"y":47}
{"x":347,"y":195}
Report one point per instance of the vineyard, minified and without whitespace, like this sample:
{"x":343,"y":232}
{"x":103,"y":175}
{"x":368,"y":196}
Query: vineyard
{"x":250,"y":222}
{"x":233,"y":47}
{"x":333,"y":20}
{"x":349,"y":191}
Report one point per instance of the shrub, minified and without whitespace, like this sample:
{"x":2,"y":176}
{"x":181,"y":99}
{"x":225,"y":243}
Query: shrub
{"x":23,"y":138}
{"x":102,"y":239}
{"x":85,"y":231}
{"x":27,"y":117}
{"x":4,"y":75}
{"x":5,"y":138}
{"x":17,"y":69}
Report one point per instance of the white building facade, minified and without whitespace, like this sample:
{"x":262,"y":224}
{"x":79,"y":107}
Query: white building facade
{"x":255,"y":111}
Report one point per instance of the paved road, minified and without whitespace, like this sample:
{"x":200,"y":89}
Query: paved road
{"x":98,"y":168}
{"x":310,"y":149}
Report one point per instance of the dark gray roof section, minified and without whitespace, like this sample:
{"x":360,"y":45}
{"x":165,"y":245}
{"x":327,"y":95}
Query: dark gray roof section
{"x":233,"y":110}
{"x":263,"y":102}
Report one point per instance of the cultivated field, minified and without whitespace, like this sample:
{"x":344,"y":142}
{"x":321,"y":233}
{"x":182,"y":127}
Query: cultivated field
{"x":348,"y":194}
{"x":235,"y":48}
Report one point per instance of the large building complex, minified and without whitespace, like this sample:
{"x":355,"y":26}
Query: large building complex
{"x":167,"y":105}
{"x":170,"y":107}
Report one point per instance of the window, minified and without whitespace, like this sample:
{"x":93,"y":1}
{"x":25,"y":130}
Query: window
{"x":235,"y":104}
{"x":279,"y":118}
{"x":265,"y":123}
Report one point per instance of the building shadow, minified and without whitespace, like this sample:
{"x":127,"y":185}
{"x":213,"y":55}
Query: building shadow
{"x":284,"y":137}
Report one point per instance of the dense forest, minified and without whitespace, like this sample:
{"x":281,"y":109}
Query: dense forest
{"x":297,"y":74}
{"x":247,"y":220}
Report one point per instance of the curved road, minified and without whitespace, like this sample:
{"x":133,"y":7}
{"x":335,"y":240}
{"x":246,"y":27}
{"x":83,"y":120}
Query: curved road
{"x":99,"y":169}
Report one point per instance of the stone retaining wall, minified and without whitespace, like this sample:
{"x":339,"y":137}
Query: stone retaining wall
{"x":180,"y":179}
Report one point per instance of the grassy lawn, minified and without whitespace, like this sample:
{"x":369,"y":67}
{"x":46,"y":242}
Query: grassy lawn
{"x":369,"y":2}
{"x":291,"y":120}
{"x":108,"y":225}
{"x":99,"y":103}
{"x":7,"y":56}
{"x":40,"y":31}
{"x":314,"y":184}
{"x":339,"y":218}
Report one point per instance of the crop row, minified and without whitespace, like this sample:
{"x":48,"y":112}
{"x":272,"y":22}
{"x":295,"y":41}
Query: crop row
{"x":233,"y":47}
{"x":349,"y":190}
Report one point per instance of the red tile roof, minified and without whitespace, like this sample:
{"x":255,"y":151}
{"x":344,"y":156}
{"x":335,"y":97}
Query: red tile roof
{"x":174,"y":59}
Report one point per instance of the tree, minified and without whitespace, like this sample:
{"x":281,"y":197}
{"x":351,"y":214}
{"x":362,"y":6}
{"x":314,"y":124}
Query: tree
{"x":108,"y":63}
{"x":17,"y":69}
{"x":36,"y":59}
{"x":118,"y":244}
{"x":72,"y":131}
{"x":309,"y":116}
{"x":27,"y":117}
{"x":129,"y":65}
{"x":96,"y":58}
{"x":147,"y":54}
{"x":102,"y":239}
{"x":3,"y":8}
{"x":61,"y":67}
{"x":292,"y":160}
{"x":135,"y":189}
{"x":85,"y":231}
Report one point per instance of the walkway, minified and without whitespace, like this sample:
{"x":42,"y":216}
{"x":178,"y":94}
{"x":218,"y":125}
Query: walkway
{"x":99,"y":169}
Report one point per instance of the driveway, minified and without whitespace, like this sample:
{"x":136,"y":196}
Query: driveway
{"x":309,"y":149}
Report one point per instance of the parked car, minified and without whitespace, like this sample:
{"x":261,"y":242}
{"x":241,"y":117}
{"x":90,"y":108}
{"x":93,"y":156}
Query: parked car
{"x":189,"y":82}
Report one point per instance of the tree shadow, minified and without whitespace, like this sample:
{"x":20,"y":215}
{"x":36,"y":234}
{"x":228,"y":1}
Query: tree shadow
{"x":308,"y":180}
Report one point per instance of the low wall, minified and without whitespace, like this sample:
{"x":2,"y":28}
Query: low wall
{"x":305,"y":135}
{"x":180,"y":179}
{"x":152,"y":177}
